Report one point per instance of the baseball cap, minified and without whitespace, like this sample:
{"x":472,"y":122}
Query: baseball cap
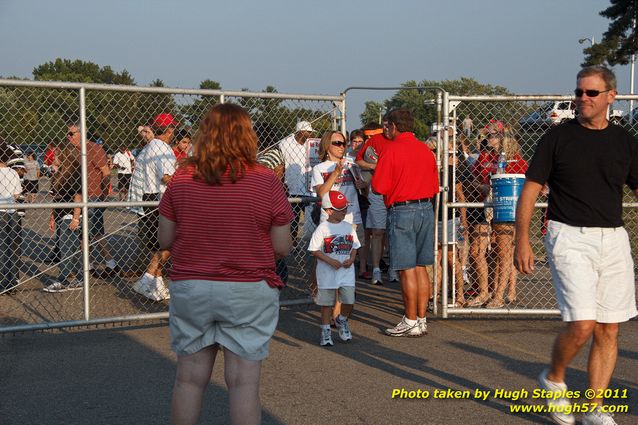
{"x":164,"y":120}
{"x":303,"y":126}
{"x":335,"y":200}
{"x":495,"y":127}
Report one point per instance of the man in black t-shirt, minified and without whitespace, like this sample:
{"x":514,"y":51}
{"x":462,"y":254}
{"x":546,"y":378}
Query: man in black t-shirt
{"x":586,"y":162}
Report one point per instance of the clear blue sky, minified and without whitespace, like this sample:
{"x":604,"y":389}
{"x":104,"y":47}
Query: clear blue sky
{"x":311,"y":47}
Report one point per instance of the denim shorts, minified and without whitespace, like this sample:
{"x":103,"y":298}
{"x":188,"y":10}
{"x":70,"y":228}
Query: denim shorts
{"x":411,"y":235}
{"x":452,"y":231}
{"x":239,"y":316}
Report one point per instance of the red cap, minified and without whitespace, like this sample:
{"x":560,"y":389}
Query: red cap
{"x":164,"y":120}
{"x":335,"y":200}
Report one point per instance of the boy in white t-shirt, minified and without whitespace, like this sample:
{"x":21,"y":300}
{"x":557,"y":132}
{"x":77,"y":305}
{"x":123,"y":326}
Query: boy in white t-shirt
{"x":334,"y":243}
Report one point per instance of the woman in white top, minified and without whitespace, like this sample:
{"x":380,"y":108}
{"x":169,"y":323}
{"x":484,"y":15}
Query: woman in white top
{"x":335,"y":173}
{"x":10,"y":190}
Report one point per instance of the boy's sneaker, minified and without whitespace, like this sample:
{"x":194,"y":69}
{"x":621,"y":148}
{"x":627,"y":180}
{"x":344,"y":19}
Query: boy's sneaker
{"x":344,"y":329}
{"x":326,"y":337}
{"x":376,"y":277}
{"x":393,"y":276}
{"x":559,"y":405}
{"x":55,"y":287}
{"x":403,"y":329}
{"x":598,"y":418}
{"x":423,"y":326}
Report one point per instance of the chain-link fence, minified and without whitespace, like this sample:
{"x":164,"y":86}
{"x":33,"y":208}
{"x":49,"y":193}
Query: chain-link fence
{"x":78,"y":232}
{"x":482,"y":279}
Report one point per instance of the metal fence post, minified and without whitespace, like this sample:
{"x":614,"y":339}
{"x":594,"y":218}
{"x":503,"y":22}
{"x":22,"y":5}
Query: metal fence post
{"x":444,"y":203}
{"x":85,"y":211}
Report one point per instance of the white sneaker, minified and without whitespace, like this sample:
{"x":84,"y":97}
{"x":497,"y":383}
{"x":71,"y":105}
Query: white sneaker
{"x":559,"y":405}
{"x":55,"y":287}
{"x":393,"y":276}
{"x":344,"y":329}
{"x":423,"y":326}
{"x":159,"y":291}
{"x":75,"y":285}
{"x":143,"y":286}
{"x":598,"y":418}
{"x":403,"y":329}
{"x":376,"y":277}
{"x":326,"y":337}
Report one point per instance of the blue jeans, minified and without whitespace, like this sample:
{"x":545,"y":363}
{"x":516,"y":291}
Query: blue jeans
{"x":69,"y":246}
{"x":411,"y":235}
{"x":10,"y":250}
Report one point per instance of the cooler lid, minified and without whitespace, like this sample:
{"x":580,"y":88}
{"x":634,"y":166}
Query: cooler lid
{"x":508,"y":176}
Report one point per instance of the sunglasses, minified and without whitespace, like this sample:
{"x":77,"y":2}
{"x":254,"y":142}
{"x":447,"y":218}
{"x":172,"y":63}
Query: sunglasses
{"x":589,"y":93}
{"x":338,"y":143}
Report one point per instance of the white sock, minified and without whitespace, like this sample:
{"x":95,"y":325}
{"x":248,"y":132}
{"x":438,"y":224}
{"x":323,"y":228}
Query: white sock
{"x":410,"y":321}
{"x":325,"y":326}
{"x":149,"y":276}
{"x":341,"y":318}
{"x":421,"y":319}
{"x":110,"y":264}
{"x":376,"y":269}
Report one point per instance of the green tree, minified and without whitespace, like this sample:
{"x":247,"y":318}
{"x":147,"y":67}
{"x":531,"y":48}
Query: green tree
{"x":194,"y":110}
{"x":372,"y":112}
{"x":157,"y":83}
{"x":80,"y":71}
{"x":419,"y":97}
{"x":210,"y":85}
{"x":620,"y":41}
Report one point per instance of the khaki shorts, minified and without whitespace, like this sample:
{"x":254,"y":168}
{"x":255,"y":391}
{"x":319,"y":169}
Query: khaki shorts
{"x":592,"y":271}
{"x":327,"y":297}
{"x":239,"y":316}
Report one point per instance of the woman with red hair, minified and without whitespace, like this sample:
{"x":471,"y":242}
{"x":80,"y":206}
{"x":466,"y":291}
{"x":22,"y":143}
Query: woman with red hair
{"x":226,"y":220}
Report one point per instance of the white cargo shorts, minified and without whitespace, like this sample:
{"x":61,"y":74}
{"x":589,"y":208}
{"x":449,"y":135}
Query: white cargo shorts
{"x":592,"y":271}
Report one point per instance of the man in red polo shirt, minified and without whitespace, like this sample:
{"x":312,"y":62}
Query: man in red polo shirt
{"x":407,"y":177}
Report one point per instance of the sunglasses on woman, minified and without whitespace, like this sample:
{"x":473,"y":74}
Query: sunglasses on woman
{"x":338,"y":143}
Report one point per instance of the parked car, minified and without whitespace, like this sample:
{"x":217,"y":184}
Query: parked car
{"x":557,"y":112}
{"x":548,"y":114}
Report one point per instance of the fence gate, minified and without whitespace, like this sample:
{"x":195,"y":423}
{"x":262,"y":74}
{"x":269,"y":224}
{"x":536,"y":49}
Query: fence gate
{"x":482,"y":258}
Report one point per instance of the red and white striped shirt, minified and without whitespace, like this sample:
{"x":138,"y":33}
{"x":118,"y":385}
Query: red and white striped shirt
{"x":223,"y":232}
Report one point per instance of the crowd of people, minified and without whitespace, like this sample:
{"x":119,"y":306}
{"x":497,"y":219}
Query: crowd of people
{"x":347,"y":163}
{"x":61,"y":162}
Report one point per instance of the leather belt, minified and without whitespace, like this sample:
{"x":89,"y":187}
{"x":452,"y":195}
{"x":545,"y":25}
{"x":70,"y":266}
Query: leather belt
{"x":414,"y":201}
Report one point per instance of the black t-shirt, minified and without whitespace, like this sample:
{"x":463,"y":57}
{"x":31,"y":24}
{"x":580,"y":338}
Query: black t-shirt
{"x":586,"y":170}
{"x":66,"y":193}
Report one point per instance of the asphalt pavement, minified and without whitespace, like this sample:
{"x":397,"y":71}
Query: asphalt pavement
{"x":124,"y":374}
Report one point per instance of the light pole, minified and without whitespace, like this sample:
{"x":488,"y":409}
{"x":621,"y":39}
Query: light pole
{"x":592,"y":40}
